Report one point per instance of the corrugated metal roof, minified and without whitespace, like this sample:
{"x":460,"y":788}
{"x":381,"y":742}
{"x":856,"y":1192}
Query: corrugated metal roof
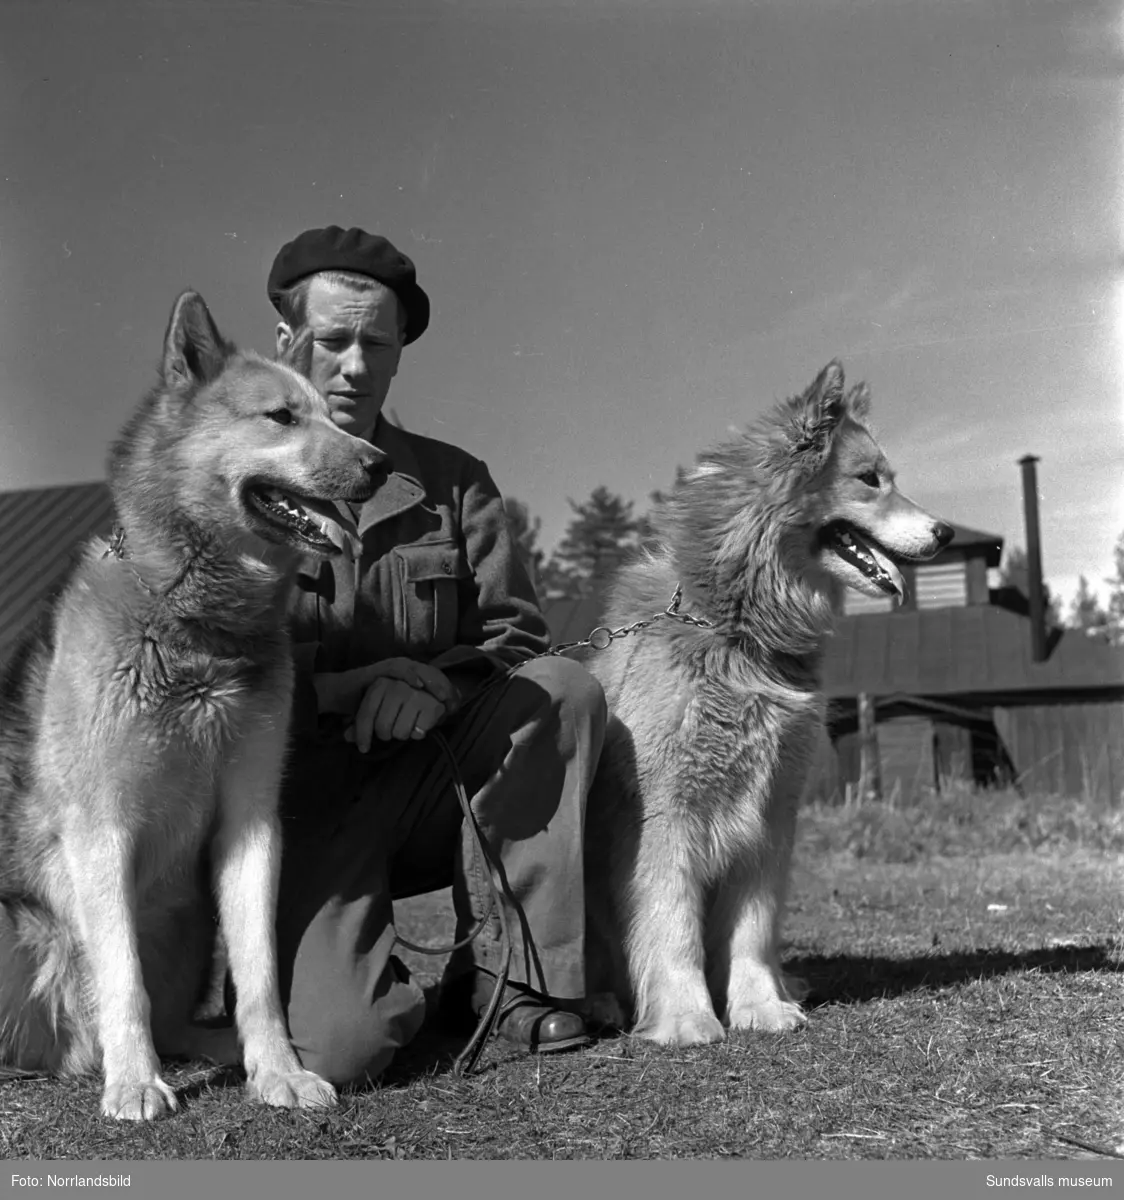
{"x":41,"y":531}
{"x":976,"y":649}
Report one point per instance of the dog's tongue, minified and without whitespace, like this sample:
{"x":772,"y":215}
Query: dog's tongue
{"x":341,"y":524}
{"x":896,"y":582}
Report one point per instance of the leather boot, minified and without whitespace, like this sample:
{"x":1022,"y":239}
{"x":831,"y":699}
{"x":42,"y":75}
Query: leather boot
{"x":526,"y":1018}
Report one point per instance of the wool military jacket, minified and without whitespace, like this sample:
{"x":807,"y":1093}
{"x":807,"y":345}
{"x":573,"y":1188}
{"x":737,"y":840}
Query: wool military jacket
{"x":438,"y":578}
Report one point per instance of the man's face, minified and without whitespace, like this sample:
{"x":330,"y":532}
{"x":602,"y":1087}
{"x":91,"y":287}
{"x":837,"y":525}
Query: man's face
{"x":355,"y":350}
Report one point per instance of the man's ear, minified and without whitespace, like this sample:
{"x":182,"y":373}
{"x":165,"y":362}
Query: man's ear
{"x":295,"y":351}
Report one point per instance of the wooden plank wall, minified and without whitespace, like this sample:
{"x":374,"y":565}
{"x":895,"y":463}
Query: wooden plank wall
{"x":1071,"y":747}
{"x":905,"y":745}
{"x":1074,"y":748}
{"x":905,"y":749}
{"x":825,"y":779}
{"x":944,"y":585}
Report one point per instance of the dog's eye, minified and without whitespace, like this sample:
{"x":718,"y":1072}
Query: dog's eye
{"x":870,"y":478}
{"x":282,"y":416}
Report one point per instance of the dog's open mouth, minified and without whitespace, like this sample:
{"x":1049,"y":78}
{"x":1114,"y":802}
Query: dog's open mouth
{"x":323,"y":525}
{"x":862,"y":552}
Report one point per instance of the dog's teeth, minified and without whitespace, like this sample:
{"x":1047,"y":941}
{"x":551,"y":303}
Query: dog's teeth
{"x":305,"y":521}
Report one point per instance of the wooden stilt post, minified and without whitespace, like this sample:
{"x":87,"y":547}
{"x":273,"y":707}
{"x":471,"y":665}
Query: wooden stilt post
{"x":870,"y":767}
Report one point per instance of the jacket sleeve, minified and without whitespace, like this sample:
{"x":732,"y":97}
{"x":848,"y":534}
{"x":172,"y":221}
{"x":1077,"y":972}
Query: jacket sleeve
{"x":499,"y":621}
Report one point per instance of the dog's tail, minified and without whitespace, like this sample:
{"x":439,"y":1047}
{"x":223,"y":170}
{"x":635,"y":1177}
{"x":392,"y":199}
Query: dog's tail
{"x":42,"y":992}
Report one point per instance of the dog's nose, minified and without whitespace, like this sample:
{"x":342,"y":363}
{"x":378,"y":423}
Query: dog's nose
{"x":943,"y":533}
{"x":375,"y":462}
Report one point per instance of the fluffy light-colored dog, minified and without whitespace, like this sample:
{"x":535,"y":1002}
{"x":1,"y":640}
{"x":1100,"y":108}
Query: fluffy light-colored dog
{"x":712,"y":730}
{"x":142,"y":732}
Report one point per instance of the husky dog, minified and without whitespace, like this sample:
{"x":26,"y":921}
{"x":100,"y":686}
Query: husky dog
{"x":712,"y":729}
{"x":142,"y":732}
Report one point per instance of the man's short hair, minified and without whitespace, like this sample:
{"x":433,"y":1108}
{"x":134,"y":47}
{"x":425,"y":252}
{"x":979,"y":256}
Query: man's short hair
{"x":292,"y":303}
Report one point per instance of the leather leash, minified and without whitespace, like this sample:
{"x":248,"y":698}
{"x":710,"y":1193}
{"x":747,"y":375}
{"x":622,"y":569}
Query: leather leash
{"x":598,"y":639}
{"x":468,"y":1057}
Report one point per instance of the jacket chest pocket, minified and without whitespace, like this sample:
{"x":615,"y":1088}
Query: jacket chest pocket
{"x":429,"y":576}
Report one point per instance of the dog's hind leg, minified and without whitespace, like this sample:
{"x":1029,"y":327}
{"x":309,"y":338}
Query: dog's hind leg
{"x":217,"y":1043}
{"x":177,"y":938}
{"x":664,"y":940}
{"x":607,"y":992}
{"x":758,"y":994}
{"x":744,"y":935}
{"x":247,"y":861}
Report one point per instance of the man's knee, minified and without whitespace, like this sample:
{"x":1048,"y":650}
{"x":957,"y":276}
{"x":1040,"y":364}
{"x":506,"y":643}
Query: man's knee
{"x":352,"y":1038}
{"x":570,"y":686}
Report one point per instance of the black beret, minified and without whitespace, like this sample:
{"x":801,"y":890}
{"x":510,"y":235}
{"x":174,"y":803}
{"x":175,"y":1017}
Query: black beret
{"x":336,"y":249}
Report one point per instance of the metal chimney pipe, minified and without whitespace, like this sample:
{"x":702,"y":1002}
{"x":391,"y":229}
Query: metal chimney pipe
{"x":1034,"y":559}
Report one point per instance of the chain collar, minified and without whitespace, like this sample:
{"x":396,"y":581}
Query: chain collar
{"x":119,"y":550}
{"x":603,"y":637}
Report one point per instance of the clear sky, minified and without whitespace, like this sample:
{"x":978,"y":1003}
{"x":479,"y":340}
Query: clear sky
{"x":639,"y":221}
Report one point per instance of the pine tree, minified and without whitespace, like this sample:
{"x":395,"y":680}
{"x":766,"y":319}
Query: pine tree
{"x":525,"y":534}
{"x":644,"y":528}
{"x":1115,"y":622}
{"x":602,"y":535}
{"x":1086,"y":613}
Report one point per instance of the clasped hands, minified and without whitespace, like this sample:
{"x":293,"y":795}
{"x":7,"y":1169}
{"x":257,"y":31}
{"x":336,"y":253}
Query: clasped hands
{"x":397,"y":699}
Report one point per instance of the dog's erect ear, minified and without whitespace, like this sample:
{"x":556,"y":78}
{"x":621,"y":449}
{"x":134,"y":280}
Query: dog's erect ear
{"x":298,"y":353}
{"x":824,"y":399}
{"x":818,"y":412}
{"x":194,"y":350}
{"x":805,"y":425}
{"x":858,"y":401}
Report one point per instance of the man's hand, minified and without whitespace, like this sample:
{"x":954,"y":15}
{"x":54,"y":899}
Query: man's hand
{"x":396,"y":699}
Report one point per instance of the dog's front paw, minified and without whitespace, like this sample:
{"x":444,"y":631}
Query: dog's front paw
{"x":769,"y":1016}
{"x":138,"y":1101}
{"x":293,"y":1089}
{"x":683,"y":1029}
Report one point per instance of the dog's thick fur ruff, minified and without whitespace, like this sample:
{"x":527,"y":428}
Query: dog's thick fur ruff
{"x":692,"y":814}
{"x":142,"y":733}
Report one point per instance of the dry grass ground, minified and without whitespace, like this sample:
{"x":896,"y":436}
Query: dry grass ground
{"x":966,"y":962}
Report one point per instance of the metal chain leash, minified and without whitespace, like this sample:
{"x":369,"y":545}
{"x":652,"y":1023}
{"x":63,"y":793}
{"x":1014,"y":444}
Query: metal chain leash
{"x":118,"y":549}
{"x":600,"y":638}
{"x":603,"y":637}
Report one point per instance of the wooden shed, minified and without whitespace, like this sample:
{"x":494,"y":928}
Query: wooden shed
{"x":957,"y":694}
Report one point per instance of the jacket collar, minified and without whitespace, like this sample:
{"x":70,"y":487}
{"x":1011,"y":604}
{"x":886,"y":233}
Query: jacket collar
{"x":403,"y":488}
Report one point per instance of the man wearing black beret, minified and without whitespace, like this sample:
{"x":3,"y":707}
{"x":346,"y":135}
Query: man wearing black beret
{"x":389,"y":647}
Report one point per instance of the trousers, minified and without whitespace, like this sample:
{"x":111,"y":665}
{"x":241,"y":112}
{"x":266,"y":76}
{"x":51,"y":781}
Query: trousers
{"x":360,"y":831}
